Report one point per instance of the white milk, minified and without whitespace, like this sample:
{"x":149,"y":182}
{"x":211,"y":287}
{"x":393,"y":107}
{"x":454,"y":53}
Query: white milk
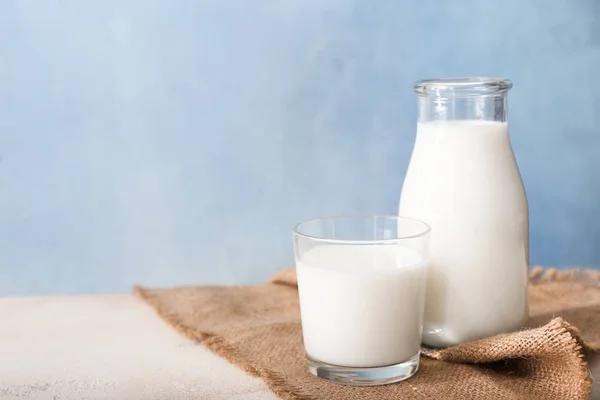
{"x":361,"y":305}
{"x":463,"y":181}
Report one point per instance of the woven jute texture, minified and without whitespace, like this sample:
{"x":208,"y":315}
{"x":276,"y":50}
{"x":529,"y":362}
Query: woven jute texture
{"x":258,"y":329}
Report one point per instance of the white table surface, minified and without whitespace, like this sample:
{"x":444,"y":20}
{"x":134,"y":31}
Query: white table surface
{"x":113,"y":347}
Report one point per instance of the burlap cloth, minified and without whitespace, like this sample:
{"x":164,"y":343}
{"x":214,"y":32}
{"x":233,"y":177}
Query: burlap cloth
{"x":258,"y":329}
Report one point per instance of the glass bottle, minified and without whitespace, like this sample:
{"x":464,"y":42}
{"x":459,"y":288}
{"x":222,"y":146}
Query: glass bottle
{"x":463,"y":180}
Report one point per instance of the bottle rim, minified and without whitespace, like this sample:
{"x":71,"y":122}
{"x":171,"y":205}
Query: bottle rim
{"x":462,"y":87}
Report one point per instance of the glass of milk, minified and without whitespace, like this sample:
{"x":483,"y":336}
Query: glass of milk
{"x":361,"y":281}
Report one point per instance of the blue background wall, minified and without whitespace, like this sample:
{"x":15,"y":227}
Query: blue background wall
{"x":177,"y":142}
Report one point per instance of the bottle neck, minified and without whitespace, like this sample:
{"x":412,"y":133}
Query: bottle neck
{"x":483,"y":108}
{"x":470,"y":98}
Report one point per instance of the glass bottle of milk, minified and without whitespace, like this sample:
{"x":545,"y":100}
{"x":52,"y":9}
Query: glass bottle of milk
{"x":463,"y":180}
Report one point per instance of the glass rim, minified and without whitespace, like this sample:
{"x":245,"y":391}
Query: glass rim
{"x":426,"y":229}
{"x":462,"y":86}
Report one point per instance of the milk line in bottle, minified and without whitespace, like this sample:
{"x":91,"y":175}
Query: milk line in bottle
{"x":463,"y":181}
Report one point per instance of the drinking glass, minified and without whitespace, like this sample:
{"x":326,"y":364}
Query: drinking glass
{"x":361,"y":281}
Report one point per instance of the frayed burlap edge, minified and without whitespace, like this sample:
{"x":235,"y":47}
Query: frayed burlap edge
{"x":589,"y":277}
{"x":584,"y":276}
{"x":578,"y":346}
{"x":218,"y":345}
{"x":558,"y":327}
{"x":278,"y":385}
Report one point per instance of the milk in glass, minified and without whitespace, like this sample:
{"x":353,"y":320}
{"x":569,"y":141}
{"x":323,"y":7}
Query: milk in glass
{"x":361,"y":305}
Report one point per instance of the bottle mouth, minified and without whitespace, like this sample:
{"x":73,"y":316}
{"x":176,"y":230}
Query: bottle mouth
{"x":462,"y":87}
